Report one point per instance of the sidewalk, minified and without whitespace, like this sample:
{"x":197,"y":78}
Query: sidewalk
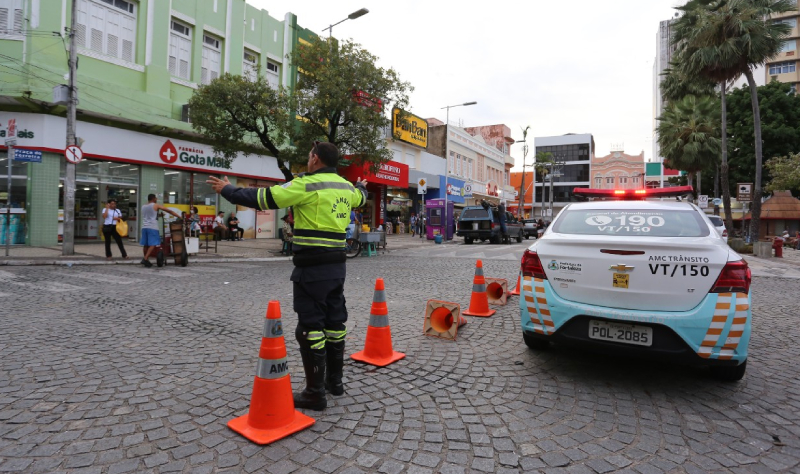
{"x":250,"y":250}
{"x":786,"y":267}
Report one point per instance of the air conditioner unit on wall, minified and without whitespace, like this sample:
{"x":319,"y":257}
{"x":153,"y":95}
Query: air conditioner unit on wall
{"x":185,"y":113}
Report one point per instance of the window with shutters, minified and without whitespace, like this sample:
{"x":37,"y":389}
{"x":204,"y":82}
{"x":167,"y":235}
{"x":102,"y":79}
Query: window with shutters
{"x":107,"y":27}
{"x":11,"y":18}
{"x":273,"y":74}
{"x":250,"y":65}
{"x":180,"y":50}
{"x":212,"y":59}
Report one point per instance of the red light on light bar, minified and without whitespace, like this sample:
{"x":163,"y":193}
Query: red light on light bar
{"x":635,"y":194}
{"x":619,"y":192}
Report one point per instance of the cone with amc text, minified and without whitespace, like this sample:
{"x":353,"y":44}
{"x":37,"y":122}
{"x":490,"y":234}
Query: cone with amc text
{"x":378,"y":346}
{"x":272,"y":415}
{"x":515,"y":291}
{"x":479,"y":302}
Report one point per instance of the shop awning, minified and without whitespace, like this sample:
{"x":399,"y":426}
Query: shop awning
{"x":391,"y":173}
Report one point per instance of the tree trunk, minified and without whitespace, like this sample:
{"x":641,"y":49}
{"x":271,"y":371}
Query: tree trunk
{"x":689,"y":179}
{"x":726,"y":186}
{"x":755,"y":209}
{"x":699,"y":183}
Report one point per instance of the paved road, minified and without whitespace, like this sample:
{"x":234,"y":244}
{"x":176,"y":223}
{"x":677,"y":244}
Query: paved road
{"x":119,"y":369}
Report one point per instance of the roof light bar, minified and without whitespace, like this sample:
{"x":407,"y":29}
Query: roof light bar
{"x":632,"y":194}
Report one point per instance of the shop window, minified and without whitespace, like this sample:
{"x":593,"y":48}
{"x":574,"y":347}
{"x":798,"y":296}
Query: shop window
{"x":19,"y":182}
{"x":107,"y":27}
{"x":180,"y":50}
{"x":212,"y":59}
{"x":177,"y":187}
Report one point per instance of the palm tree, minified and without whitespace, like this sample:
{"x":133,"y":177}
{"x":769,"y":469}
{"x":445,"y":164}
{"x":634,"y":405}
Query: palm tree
{"x":724,"y":39}
{"x":540,"y":170}
{"x":688,"y":133}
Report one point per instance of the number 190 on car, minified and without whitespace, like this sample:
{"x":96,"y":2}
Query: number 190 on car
{"x":624,"y":333}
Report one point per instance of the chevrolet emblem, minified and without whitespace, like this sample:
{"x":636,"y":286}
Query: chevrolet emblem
{"x":621,"y":268}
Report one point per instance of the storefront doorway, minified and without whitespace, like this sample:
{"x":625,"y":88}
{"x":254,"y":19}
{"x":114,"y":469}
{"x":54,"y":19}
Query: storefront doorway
{"x":96,"y":183}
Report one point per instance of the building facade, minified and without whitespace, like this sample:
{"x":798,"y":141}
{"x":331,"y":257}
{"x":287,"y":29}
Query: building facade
{"x":139,"y":63}
{"x":785,"y":67}
{"x":573,"y":156}
{"x":664,"y":52}
{"x":483,"y":167}
{"x":618,"y":170}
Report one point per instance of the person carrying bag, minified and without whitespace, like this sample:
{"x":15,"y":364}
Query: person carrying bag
{"x":111,"y":217}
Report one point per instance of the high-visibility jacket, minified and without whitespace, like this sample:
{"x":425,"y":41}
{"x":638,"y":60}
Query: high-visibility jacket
{"x":321,"y":202}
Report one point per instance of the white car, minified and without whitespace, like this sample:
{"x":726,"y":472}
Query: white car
{"x":645,"y":278}
{"x":719,"y":226}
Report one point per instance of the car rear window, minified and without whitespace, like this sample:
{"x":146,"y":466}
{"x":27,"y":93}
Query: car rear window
{"x":717,"y":221}
{"x":632,"y":222}
{"x":475,"y":214}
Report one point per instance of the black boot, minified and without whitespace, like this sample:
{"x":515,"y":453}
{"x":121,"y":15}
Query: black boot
{"x":335,"y":359}
{"x":313,"y":397}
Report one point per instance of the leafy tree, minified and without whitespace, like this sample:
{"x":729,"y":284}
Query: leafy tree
{"x":241,"y":115}
{"x":780,"y":112}
{"x":724,"y":39}
{"x":786,"y":173}
{"x":343,"y":97}
{"x":688,"y":134}
{"x":677,"y":85}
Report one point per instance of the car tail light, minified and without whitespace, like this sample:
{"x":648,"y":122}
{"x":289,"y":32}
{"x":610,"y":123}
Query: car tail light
{"x":492,"y":225}
{"x":532,"y":266}
{"x":734,"y":278}
{"x":725,"y":233}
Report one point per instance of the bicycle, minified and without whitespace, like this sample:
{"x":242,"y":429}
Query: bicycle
{"x":352,"y":247}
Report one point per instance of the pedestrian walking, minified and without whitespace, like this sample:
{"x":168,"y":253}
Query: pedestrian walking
{"x":322,"y":201}
{"x":150,"y":236}
{"x":412,"y":222}
{"x":111,"y":216}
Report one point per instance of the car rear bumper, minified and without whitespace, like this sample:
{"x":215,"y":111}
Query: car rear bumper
{"x":696,"y":336}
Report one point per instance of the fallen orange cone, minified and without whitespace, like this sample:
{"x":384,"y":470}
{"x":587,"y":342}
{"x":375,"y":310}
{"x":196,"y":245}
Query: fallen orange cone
{"x":272,"y":415}
{"x":441,"y":318}
{"x":497,"y":291}
{"x":479,"y":302}
{"x":378,"y":346}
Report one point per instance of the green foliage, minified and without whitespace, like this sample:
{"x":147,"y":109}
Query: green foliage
{"x":540,"y":164}
{"x":677,"y":84}
{"x":325,"y":98}
{"x":689,"y":133}
{"x":240,"y":115}
{"x":786,"y":173}
{"x":722,"y":39}
{"x":780,"y":124}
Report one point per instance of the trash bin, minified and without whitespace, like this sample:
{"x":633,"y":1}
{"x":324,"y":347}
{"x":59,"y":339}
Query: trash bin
{"x":437,"y":238}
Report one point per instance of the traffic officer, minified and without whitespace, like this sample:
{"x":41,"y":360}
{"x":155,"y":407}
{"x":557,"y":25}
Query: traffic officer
{"x":321,"y":201}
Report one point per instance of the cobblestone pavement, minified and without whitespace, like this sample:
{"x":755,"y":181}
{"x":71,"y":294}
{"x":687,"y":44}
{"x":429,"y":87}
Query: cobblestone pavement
{"x":115,"y":369}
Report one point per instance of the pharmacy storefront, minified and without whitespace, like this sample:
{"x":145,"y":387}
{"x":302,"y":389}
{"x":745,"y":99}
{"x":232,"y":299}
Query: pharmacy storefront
{"x":127,"y":166}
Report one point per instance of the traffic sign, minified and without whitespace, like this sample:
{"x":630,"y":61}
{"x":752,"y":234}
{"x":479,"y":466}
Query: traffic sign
{"x":702,"y":201}
{"x":422,"y":186}
{"x":74,"y":154}
{"x":744,"y":191}
{"x":30,"y":156}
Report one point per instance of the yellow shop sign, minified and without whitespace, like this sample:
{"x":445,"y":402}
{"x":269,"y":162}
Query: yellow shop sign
{"x":409,"y":128}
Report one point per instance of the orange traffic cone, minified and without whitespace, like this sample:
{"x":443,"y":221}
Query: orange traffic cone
{"x":515,"y":291}
{"x":378,"y":346}
{"x":440,"y":319}
{"x":479,"y":303}
{"x":272,"y":415}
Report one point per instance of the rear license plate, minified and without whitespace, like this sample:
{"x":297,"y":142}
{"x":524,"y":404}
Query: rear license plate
{"x":625,"y":333}
{"x":621,"y":280}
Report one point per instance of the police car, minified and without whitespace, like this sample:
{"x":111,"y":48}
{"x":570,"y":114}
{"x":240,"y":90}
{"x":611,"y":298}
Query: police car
{"x":639,"y":277}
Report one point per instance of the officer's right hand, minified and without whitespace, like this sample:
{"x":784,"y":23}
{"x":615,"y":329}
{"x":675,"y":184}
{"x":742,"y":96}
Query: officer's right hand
{"x":361,"y":182}
{"x":217,"y":184}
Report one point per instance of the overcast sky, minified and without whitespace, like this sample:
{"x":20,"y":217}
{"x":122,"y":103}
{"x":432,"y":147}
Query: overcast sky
{"x":583,"y":66}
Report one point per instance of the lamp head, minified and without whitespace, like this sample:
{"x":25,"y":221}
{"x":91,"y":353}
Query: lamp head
{"x":469,"y":103}
{"x":358,"y":13}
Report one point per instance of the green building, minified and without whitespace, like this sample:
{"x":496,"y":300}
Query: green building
{"x":139,"y":63}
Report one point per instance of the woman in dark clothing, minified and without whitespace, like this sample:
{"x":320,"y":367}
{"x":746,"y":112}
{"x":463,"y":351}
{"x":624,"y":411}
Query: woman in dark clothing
{"x":234,"y":231}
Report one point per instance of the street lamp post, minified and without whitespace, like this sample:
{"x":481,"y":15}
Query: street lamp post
{"x":352,"y":16}
{"x":521,"y":209}
{"x":447,"y":157}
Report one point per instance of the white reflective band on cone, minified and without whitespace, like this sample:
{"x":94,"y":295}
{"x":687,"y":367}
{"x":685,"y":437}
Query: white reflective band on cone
{"x":272,"y":368}
{"x":272,"y":328}
{"x":378,"y":321}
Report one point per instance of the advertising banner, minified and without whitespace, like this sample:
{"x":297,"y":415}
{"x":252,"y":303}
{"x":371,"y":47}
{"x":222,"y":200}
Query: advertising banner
{"x":409,"y":128}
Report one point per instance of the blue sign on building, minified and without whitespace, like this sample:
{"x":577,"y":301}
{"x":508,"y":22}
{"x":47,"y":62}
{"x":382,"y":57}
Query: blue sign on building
{"x":31,"y":156}
{"x":455,"y":190}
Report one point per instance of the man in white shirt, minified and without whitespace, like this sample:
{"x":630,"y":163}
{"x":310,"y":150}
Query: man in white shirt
{"x":220,"y":230}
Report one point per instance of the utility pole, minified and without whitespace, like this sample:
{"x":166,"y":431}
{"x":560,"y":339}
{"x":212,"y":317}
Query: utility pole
{"x":69,"y":177}
{"x":521,"y":208}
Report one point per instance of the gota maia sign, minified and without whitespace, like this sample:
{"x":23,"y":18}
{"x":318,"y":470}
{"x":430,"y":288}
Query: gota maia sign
{"x":409,"y":128}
